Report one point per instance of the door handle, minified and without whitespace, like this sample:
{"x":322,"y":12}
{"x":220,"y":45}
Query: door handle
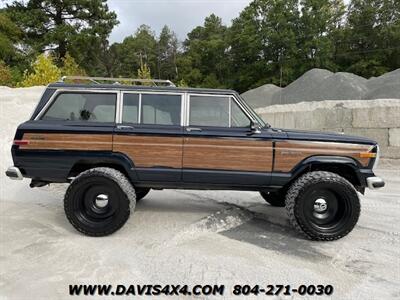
{"x":190,"y":129}
{"x":125,"y":127}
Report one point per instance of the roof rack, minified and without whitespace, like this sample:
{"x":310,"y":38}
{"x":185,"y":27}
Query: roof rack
{"x":96,"y":80}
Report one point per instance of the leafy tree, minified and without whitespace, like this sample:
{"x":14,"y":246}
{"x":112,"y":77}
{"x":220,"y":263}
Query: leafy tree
{"x":318,"y":25}
{"x":10,"y":35}
{"x":57,"y":25}
{"x":263,"y":43}
{"x":204,"y":60}
{"x":70,"y":67}
{"x":5,"y":74}
{"x":372,"y":37}
{"x":44,"y":72}
{"x":135,"y":50}
{"x":144,"y":72}
{"x":167,"y":48}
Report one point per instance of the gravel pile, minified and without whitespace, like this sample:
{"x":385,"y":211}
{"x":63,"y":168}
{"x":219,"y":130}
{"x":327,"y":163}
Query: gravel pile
{"x":261,"y":96}
{"x":319,"y":85}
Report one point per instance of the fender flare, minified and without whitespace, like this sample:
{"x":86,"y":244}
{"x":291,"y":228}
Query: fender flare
{"x":112,"y":158}
{"x":324,"y":160}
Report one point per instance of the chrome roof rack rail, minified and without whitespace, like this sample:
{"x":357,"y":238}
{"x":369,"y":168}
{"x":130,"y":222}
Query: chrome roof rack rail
{"x":97,"y":80}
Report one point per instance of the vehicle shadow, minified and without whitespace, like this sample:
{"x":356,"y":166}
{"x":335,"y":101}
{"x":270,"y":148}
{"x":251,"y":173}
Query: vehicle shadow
{"x":270,"y":229}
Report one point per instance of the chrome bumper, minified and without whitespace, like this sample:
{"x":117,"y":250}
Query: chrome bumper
{"x":14,"y":173}
{"x":375,"y":183}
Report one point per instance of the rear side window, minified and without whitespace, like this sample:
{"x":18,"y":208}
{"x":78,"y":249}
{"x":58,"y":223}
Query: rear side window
{"x":152,"y":109}
{"x":83,"y":107}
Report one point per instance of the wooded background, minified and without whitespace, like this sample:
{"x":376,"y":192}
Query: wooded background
{"x":271,"y":41}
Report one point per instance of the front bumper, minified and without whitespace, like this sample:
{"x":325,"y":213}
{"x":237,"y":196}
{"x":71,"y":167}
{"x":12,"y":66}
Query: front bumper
{"x":375,"y":183}
{"x":14,"y":173}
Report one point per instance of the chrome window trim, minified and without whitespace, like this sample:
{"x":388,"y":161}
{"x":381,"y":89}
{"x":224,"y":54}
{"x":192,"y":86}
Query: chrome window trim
{"x":75,"y":90}
{"x":229,"y":96}
{"x":40,"y":98}
{"x":118,"y":119}
{"x":152,"y":93}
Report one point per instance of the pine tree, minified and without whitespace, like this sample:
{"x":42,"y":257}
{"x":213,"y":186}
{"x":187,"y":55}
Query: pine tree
{"x":53,"y":25}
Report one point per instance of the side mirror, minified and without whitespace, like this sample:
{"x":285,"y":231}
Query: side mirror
{"x":255,"y":127}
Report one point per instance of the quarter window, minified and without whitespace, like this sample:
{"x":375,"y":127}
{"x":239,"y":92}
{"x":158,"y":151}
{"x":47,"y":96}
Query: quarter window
{"x":82,"y":107}
{"x":130,"y":112}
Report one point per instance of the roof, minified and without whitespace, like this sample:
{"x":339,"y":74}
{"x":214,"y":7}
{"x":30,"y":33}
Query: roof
{"x":57,"y":85}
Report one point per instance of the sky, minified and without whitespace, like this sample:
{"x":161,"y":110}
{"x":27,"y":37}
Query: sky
{"x":180,"y":15}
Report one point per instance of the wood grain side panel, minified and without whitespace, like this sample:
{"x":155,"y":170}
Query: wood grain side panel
{"x":227,"y":154}
{"x":151,"y":151}
{"x":66,"y":141}
{"x":289,"y":153}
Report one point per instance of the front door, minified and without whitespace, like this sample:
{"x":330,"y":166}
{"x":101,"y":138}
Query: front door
{"x":219,"y":146}
{"x":150,"y":134}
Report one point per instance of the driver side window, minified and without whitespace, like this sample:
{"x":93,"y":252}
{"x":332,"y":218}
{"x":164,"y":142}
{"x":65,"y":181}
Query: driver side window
{"x":216,"y":111}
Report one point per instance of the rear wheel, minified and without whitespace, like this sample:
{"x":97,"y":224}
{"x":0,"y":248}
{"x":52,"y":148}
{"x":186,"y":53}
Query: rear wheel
{"x":323,"y":206}
{"x":98,"y":201}
{"x":274,"y":198}
{"x":141,"y":193}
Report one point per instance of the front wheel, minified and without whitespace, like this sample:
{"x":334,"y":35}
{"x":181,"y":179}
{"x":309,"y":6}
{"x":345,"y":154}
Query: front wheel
{"x":323,"y":205}
{"x":98,"y":201}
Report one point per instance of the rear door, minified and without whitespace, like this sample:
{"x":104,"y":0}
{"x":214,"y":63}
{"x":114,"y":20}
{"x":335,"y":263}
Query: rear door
{"x":149,"y":132}
{"x":219,"y":146}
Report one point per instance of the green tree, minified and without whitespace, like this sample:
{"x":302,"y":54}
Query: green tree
{"x":44,"y":72}
{"x":372,"y":37}
{"x":5,"y":74}
{"x":204,"y":60}
{"x":134,"y":50}
{"x":144,"y":73}
{"x":53,"y":25}
{"x":70,"y":67}
{"x":263,"y":44}
{"x":10,"y":35}
{"x":167,"y":48}
{"x":319,"y":24}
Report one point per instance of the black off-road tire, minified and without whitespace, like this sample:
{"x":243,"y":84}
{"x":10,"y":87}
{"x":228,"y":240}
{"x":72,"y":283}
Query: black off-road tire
{"x":82,"y":196}
{"x":276,"y":199}
{"x":141,"y":193}
{"x":342,"y":206}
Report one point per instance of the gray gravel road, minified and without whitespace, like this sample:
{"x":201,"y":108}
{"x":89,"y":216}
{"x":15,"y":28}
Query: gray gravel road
{"x":195,"y":237}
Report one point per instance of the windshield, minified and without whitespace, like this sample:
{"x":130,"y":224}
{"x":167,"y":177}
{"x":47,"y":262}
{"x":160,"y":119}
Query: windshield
{"x":252,"y":112}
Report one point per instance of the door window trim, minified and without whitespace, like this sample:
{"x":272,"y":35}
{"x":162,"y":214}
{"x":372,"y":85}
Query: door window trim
{"x":140,"y":93}
{"x":229,"y":96}
{"x":79,"y":91}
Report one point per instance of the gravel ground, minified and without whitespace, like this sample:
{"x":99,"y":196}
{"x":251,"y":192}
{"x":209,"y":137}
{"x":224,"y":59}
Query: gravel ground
{"x":195,"y":237}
